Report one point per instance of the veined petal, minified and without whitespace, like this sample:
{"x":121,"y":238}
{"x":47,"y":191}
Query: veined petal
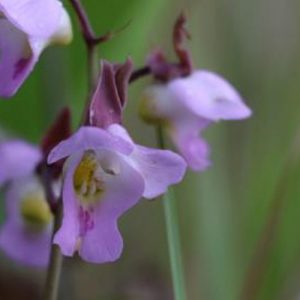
{"x":209,"y":96}
{"x":103,"y":243}
{"x":38,"y":18}
{"x":89,"y":138}
{"x":18,"y":159}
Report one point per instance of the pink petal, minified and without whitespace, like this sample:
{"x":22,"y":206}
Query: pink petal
{"x":26,"y":28}
{"x":67,"y":235}
{"x":190,"y":144}
{"x":160,"y":168}
{"x":27,"y":247}
{"x":89,"y":138}
{"x":209,"y":96}
{"x":18,"y":159}
{"x":38,"y":18}
{"x":16,"y":59}
{"x":103,"y":243}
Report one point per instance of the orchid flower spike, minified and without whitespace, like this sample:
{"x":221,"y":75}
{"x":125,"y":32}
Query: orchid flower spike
{"x":27,"y":27}
{"x":106,"y":173}
{"x":25,"y":235}
{"x":186,"y":103}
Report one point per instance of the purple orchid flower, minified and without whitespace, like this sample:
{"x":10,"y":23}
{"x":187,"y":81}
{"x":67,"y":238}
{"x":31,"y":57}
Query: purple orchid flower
{"x":26,"y":28}
{"x":185,"y":101}
{"x":26,"y":233}
{"x":106,"y":173}
{"x":185,"y":106}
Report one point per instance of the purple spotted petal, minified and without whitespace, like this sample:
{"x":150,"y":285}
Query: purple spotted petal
{"x":18,"y":159}
{"x":209,"y":96}
{"x":100,"y":240}
{"x":26,"y":28}
{"x":89,"y":138}
{"x":104,"y":243}
{"x":37,"y":18}
{"x":27,"y":247}
{"x":16,"y":58}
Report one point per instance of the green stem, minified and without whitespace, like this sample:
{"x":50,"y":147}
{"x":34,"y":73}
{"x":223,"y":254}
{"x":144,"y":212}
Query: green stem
{"x":173,"y":235}
{"x":55,"y":265}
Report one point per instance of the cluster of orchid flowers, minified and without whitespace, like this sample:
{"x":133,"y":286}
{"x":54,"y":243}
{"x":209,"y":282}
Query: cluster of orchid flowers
{"x":98,"y":172}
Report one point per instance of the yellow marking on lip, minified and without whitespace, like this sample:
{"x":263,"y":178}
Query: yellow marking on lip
{"x":87,"y":185}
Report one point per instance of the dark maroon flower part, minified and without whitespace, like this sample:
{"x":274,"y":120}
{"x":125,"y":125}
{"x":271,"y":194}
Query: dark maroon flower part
{"x":60,"y":130}
{"x":160,"y":67}
{"x":110,"y":96}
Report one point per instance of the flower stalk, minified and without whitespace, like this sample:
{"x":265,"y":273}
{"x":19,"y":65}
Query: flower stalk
{"x":173,"y":235}
{"x":91,"y":41}
{"x":55,"y":263}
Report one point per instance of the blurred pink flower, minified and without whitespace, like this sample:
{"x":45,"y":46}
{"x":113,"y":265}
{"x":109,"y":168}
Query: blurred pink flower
{"x":185,"y":106}
{"x":26,"y":233}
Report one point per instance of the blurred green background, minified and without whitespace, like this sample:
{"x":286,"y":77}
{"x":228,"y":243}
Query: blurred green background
{"x":239,"y":220}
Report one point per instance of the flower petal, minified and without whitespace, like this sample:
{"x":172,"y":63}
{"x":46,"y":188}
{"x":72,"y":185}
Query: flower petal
{"x":103,"y":243}
{"x":26,"y":28}
{"x":190,"y":145}
{"x":120,"y":131}
{"x":209,"y":96}
{"x":18,"y":159}
{"x":39,"y":18}
{"x":160,"y":168}
{"x":63,"y":34}
{"x":30,"y":248}
{"x":67,"y":235}
{"x":16,"y":58}
{"x":110,"y":95}
{"x":89,"y":138}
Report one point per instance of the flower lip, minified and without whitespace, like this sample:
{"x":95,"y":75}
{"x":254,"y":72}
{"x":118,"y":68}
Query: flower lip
{"x":92,"y":229}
